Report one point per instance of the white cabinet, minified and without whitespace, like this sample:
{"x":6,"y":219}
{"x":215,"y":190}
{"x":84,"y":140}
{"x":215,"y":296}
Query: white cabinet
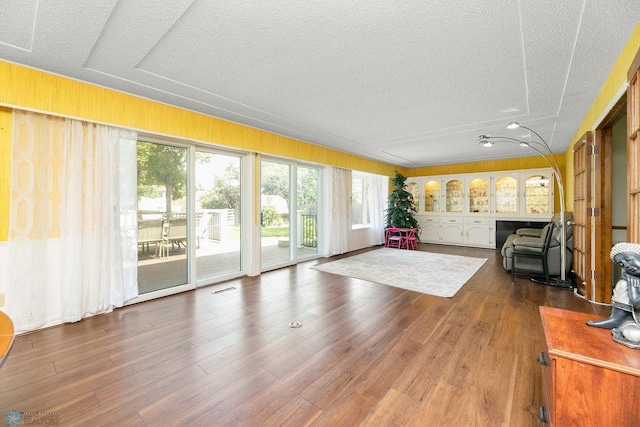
{"x":462,"y":209}
{"x":429,"y":229}
{"x":514,"y":194}
{"x":466,"y":231}
{"x":451,"y":230}
{"x":479,"y":232}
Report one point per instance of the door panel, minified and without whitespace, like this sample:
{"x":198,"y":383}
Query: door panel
{"x":308,"y":197}
{"x":275,"y":214}
{"x":217,"y":218}
{"x":633,"y":151}
{"x":601,"y":215}
{"x":582,"y":223}
{"x":163,"y":238}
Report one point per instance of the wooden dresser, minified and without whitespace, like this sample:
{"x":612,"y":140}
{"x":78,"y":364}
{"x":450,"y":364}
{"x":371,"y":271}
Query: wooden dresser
{"x":587,"y":378}
{"x":6,"y":336}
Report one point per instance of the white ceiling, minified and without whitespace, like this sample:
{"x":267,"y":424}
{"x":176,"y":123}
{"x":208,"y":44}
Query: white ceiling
{"x":411,"y":83}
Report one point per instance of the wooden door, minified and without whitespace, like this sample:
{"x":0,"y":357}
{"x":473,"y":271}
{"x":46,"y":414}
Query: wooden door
{"x":601,"y":211}
{"x":581,"y":215}
{"x":633,"y":151}
{"x":602,"y":207}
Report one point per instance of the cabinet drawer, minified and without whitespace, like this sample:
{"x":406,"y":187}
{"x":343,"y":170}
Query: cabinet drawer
{"x":479,"y":221}
{"x":451,"y":220}
{"x":429,"y":220}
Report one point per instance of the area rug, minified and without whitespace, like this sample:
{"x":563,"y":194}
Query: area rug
{"x":427,"y":272}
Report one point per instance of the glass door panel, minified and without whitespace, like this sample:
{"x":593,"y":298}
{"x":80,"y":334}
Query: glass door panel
{"x":479,"y":196}
{"x":454,"y":196}
{"x":162,"y":217}
{"x":537,"y":194}
{"x":414,"y":188}
{"x":432,"y":196}
{"x":308,"y":186}
{"x":217,"y":216}
{"x":275,"y":184}
{"x":506,"y":191}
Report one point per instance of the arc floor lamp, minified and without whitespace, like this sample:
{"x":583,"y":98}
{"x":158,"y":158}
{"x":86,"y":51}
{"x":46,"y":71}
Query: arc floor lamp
{"x":543,"y":150}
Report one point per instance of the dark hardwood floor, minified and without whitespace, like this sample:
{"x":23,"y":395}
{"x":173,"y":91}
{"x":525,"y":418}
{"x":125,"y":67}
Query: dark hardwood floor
{"x":367,"y":354}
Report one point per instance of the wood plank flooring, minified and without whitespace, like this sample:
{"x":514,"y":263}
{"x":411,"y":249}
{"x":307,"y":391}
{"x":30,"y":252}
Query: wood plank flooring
{"x":367,"y":354}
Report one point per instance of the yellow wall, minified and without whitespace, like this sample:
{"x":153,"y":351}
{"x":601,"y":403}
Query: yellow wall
{"x":30,"y":89}
{"x":27,"y":88}
{"x":486,"y":166}
{"x":616,"y":79}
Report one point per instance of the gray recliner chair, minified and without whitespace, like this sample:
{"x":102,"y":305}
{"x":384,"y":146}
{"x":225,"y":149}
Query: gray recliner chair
{"x":533,"y":239}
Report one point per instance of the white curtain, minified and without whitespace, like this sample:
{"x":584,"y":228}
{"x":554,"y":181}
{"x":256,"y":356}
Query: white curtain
{"x":72,"y":231}
{"x":378,"y":196}
{"x":340,"y":201}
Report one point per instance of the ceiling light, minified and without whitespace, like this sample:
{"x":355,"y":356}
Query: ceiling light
{"x":486,"y":142}
{"x":513,"y":125}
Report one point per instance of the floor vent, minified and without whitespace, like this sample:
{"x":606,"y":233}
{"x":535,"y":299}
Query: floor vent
{"x":225,"y":290}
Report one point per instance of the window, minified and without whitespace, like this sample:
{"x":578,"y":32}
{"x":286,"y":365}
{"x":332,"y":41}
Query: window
{"x":360,"y":187}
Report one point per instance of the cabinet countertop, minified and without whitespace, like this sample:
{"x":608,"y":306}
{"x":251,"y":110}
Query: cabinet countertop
{"x":569,"y":336}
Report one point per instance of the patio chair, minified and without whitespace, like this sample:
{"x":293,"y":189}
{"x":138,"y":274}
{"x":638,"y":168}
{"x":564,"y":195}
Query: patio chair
{"x":177,"y":233}
{"x":150,"y":231}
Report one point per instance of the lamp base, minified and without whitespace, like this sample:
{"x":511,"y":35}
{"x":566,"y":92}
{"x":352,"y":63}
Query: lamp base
{"x":562,"y":283}
{"x":554,"y":281}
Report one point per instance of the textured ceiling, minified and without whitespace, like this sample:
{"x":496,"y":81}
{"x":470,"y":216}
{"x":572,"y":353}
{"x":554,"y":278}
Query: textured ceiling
{"x":411,"y":83}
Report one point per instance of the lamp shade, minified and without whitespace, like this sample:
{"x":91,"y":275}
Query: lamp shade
{"x":513,"y":125}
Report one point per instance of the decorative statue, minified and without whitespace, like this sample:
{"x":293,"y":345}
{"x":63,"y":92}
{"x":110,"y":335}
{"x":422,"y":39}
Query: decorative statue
{"x":624,"y":321}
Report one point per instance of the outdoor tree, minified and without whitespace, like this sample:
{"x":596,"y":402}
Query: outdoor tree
{"x":401,"y":206}
{"x":275,"y":179}
{"x":308,"y":190}
{"x":225,"y":192}
{"x":162,"y":166}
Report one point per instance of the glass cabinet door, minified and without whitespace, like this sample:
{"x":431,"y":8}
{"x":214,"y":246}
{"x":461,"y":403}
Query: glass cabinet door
{"x":537,"y":194}
{"x":454,"y":196}
{"x":432,"y":196}
{"x":506,"y":195}
{"x":479,"y":196}
{"x":414,"y":188}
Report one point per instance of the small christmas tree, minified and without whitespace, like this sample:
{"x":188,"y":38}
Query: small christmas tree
{"x":402,"y":205}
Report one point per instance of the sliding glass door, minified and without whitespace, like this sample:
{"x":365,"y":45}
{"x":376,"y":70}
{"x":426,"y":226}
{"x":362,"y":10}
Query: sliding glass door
{"x":289,"y":220}
{"x":217,"y":216}
{"x":275,"y":214}
{"x":190,"y":222}
{"x":307,"y":218}
{"x":163,"y":216}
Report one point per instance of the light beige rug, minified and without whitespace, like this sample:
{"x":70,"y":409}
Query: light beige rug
{"x":427,"y":272}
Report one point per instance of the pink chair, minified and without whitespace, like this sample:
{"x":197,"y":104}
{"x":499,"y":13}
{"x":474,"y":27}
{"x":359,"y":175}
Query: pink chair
{"x":409,"y":240}
{"x":393,"y":238}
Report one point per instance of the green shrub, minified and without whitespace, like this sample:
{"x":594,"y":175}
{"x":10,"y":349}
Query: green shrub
{"x":270,"y":216}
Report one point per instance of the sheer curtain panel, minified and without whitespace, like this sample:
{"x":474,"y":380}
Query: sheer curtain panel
{"x":340,"y":202}
{"x":72,"y":231}
{"x":378,"y":196}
